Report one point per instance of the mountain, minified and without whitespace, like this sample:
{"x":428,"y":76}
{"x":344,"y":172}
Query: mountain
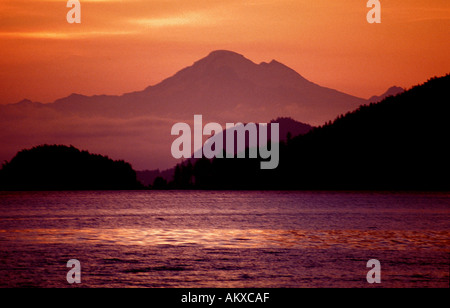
{"x":288,"y":128}
{"x":224,"y":87}
{"x":227,"y":82}
{"x":399,"y":143}
{"x":392,"y":91}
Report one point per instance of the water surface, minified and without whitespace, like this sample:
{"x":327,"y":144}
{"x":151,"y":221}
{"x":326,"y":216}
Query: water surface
{"x":224,"y":239}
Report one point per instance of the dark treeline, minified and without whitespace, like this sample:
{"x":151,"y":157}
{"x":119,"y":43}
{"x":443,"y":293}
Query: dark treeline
{"x":400,"y":143}
{"x":58,"y":167}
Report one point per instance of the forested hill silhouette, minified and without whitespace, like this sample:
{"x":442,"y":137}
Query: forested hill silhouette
{"x":58,"y":167}
{"x":400,"y":143}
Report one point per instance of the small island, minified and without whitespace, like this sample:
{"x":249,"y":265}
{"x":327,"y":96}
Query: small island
{"x":60,"y":167}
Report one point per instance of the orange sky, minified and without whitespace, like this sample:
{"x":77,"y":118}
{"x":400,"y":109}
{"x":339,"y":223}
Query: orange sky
{"x":124,"y":46}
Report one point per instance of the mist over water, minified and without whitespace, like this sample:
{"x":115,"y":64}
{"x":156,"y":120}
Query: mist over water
{"x":224,"y":239}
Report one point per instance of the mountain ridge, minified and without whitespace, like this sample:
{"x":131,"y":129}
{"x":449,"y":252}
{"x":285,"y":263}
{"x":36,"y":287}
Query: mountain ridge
{"x":392,"y":91}
{"x":227,"y":79}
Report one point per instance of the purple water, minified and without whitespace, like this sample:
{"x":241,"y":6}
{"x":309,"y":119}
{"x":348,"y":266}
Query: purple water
{"x":224,"y":239}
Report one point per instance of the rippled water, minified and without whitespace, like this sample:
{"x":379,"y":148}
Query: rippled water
{"x":224,"y":239}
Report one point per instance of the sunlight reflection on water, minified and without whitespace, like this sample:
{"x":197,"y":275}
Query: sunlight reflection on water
{"x":232,"y":238}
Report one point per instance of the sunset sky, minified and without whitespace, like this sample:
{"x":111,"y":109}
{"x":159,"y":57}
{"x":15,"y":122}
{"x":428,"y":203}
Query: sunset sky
{"x":124,"y":46}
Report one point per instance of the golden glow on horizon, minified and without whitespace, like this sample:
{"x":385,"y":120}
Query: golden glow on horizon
{"x":122,"y":46}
